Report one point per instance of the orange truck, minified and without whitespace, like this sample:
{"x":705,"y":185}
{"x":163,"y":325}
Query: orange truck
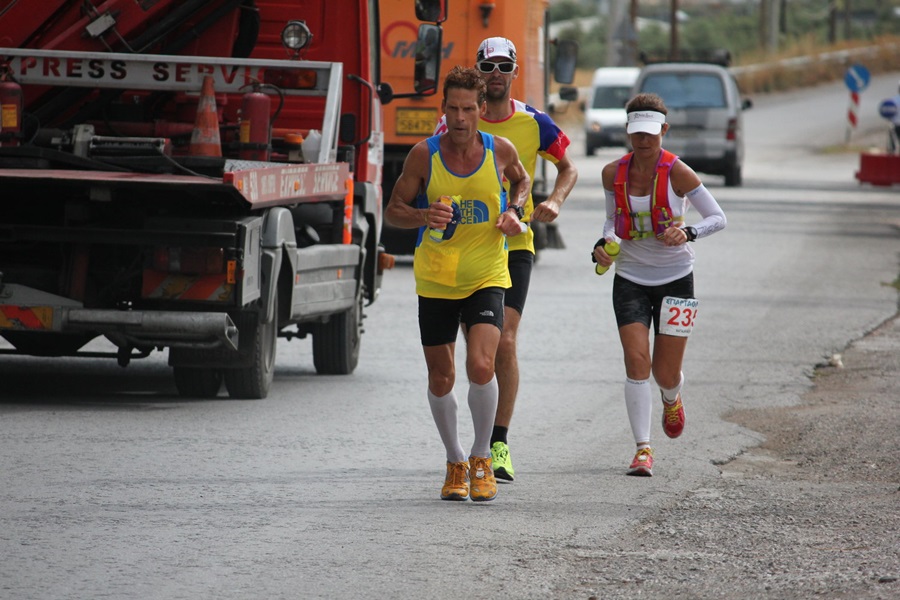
{"x":201,"y":177}
{"x":410,"y":118}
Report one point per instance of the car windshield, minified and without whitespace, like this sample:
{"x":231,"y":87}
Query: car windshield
{"x":687,"y":90}
{"x":611,"y":97}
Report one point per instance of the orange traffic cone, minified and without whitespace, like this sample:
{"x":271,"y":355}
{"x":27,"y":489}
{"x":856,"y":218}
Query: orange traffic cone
{"x":205,"y":138}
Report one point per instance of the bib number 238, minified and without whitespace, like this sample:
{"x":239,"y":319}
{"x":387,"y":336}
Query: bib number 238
{"x":676,"y":316}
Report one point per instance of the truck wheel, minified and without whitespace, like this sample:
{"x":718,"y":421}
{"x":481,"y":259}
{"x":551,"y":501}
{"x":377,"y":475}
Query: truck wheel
{"x":252,"y":383}
{"x":733,"y":176}
{"x":197,"y":383}
{"x":336,"y":343}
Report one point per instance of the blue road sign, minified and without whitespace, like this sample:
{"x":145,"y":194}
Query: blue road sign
{"x":857,"y":78}
{"x":888,"y":108}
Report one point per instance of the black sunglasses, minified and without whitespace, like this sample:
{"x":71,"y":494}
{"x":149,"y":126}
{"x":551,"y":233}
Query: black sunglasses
{"x":487,"y":66}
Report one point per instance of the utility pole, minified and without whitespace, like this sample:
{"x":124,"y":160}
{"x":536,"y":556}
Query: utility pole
{"x":674,"y":52}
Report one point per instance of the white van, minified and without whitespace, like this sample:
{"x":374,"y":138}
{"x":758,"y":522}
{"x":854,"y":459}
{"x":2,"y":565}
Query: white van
{"x":604,"y":114}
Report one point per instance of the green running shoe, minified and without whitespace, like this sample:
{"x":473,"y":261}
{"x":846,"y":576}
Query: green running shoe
{"x":503,"y":468}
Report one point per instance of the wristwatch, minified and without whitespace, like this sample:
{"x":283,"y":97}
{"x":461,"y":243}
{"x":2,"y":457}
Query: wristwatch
{"x":519,"y":210}
{"x":691,"y":233}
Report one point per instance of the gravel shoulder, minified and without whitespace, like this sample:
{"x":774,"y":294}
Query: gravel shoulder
{"x":813,"y":512}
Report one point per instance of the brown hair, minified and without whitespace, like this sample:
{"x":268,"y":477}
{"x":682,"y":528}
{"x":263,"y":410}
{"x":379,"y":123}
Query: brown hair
{"x":646,"y":102}
{"x":467,"y":79}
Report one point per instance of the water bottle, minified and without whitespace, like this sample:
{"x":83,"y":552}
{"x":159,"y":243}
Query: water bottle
{"x":440,"y":235}
{"x":611,"y":248}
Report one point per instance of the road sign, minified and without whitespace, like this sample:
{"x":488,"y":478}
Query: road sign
{"x":888,"y":109}
{"x":857,"y":78}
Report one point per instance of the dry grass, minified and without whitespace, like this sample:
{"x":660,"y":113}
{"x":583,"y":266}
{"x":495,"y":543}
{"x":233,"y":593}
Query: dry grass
{"x":804,"y":64}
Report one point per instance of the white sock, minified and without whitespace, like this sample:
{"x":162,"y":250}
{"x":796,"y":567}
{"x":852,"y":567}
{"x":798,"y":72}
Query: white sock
{"x":483,"y":404}
{"x":639,"y":404}
{"x":444,"y":409}
{"x":670,"y":396}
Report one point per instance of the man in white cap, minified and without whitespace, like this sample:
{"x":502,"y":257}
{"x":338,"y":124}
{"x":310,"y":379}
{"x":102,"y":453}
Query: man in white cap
{"x":534,"y":134}
{"x":647,"y":194}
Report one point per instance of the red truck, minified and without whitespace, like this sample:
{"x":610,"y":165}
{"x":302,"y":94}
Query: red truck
{"x":201,"y":176}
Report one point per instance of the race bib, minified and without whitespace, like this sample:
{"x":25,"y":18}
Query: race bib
{"x":676,"y":316}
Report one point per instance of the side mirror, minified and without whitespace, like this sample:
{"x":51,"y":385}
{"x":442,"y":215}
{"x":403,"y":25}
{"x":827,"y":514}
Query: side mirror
{"x":385,"y":92}
{"x":428,"y":59}
{"x":566,"y":59}
{"x":431,"y":11}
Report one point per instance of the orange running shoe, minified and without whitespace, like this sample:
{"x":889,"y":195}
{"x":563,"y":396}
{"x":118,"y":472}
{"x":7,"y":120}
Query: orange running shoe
{"x":456,"y":484}
{"x":673,"y":417}
{"x":642,"y":465}
{"x":481,"y":477}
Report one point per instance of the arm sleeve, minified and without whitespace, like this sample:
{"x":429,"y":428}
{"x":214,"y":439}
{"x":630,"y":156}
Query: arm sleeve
{"x":713,"y":216}
{"x":609,"y":227}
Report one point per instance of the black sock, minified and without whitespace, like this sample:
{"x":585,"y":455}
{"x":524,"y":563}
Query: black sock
{"x":499,"y":434}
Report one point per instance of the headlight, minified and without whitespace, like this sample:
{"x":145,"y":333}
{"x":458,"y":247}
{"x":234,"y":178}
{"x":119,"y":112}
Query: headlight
{"x":295,"y":35}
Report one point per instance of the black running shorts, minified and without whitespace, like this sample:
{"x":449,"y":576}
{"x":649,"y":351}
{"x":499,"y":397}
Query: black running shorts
{"x":520,"y":265}
{"x":636,"y":303}
{"x":439,"y":319}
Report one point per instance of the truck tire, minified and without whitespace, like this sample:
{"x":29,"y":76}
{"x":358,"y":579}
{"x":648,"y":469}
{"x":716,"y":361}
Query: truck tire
{"x":336,"y":343}
{"x":197,"y":382}
{"x":253,"y":382}
{"x":733,"y":176}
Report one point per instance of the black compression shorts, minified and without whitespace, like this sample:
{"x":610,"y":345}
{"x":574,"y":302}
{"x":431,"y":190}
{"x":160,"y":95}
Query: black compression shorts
{"x":439,"y":319}
{"x":520,"y":265}
{"x":636,"y":303}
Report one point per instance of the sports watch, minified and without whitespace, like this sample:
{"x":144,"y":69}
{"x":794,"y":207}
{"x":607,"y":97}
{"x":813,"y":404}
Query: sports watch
{"x":691,"y":233}
{"x":519,"y":210}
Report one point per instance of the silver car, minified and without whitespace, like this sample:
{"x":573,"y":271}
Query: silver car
{"x":706,"y":128}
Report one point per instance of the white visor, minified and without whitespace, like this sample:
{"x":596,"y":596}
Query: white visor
{"x":645,"y":121}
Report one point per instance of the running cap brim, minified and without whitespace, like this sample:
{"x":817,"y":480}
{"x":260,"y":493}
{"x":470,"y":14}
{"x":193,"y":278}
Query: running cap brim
{"x":645,"y":121}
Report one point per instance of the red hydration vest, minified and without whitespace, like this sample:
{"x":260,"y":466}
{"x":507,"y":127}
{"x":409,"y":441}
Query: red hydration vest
{"x":660,"y":212}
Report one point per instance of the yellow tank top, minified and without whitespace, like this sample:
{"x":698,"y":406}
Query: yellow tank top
{"x":533,"y":133}
{"x":475,"y":257}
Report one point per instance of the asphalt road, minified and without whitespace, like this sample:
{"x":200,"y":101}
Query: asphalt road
{"x":114,"y":487}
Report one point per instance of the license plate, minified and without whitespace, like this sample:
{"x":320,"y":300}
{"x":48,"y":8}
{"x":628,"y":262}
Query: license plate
{"x":416,"y":121}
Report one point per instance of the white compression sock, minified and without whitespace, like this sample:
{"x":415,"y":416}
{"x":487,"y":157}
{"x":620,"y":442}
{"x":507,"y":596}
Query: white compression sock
{"x":639,"y":404}
{"x":672,"y":395}
{"x":444,"y":409}
{"x":483,"y":404}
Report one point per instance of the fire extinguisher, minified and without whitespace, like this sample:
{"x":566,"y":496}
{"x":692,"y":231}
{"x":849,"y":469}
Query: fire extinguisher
{"x":10,"y":112}
{"x":255,"y":126}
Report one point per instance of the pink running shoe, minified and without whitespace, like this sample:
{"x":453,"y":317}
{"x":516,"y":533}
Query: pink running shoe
{"x":642,"y":465}
{"x":673,"y":417}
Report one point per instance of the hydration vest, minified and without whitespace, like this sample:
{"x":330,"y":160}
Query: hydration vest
{"x":660,"y":212}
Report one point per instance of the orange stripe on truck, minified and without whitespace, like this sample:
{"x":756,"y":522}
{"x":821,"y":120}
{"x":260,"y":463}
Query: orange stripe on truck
{"x":170,"y":286}
{"x":20,"y":317}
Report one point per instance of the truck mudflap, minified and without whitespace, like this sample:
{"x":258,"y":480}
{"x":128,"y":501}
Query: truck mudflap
{"x":25,"y":309}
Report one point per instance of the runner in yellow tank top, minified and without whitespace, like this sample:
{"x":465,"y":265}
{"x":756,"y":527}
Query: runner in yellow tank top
{"x":474,"y":257}
{"x":462,"y":280}
{"x":534,"y":134}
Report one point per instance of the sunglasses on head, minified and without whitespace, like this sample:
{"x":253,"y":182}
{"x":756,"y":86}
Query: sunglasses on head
{"x":487,"y":66}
